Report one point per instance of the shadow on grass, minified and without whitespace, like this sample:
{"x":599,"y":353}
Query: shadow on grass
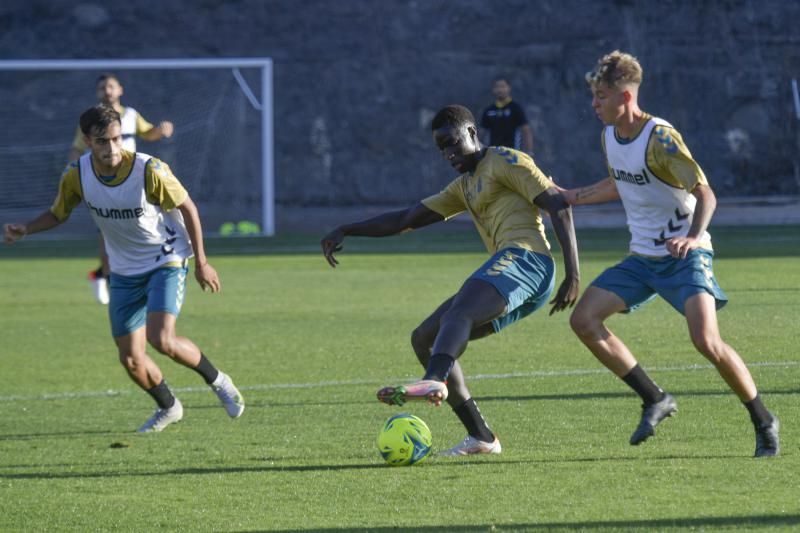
{"x":658,"y":524}
{"x":506,"y":398}
{"x":309,"y":403}
{"x":457,"y":462}
{"x":622,"y":394}
{"x":59,"y":434}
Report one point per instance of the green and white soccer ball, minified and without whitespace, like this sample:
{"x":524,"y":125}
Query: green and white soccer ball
{"x":404,"y":440}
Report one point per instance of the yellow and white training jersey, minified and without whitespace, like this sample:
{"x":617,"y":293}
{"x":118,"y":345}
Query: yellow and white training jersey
{"x":135,"y":211}
{"x":655,"y":174}
{"x":499,"y":197}
{"x":132,"y":124}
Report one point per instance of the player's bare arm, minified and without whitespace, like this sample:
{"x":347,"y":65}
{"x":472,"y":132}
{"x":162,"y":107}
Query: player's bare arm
{"x":703,"y":211}
{"x":603,"y":191}
{"x":554,"y":203}
{"x":527,"y":138}
{"x":384,"y":225}
{"x":163,"y":130}
{"x":15,"y":231}
{"x":204,"y":273}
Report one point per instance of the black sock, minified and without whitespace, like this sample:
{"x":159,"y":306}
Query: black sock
{"x":439,"y":367}
{"x":206,"y":369}
{"x":638,"y":380}
{"x":758,"y":413}
{"x":471,"y":417}
{"x":162,"y":395}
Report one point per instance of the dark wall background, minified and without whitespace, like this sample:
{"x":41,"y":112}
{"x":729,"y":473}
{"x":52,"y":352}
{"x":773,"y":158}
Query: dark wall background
{"x":357,"y":81}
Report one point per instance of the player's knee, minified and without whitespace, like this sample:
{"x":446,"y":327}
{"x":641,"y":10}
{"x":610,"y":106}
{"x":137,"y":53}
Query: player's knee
{"x":712,"y":348}
{"x":421,"y":341}
{"x":129,"y":361}
{"x":458,"y":316}
{"x":421,"y":338}
{"x":582,"y":323}
{"x":162,"y":342}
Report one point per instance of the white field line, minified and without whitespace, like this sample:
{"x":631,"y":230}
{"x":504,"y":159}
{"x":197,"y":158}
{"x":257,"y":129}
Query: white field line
{"x":346,"y":383}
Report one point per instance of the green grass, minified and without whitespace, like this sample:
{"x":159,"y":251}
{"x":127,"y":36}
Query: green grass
{"x":309,"y":346}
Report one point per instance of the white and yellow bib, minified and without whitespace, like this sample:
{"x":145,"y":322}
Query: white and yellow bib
{"x":139,"y":236}
{"x":656,"y":209}
{"x":128,"y":129}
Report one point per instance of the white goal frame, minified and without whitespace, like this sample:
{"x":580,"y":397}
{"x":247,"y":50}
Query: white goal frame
{"x":264,"y":64}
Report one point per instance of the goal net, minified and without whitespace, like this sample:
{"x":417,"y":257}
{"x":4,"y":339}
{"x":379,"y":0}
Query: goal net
{"x":221,"y":148}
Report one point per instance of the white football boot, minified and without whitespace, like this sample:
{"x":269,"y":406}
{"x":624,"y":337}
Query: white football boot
{"x":162,"y":418}
{"x":471,"y":446}
{"x":229,"y":395}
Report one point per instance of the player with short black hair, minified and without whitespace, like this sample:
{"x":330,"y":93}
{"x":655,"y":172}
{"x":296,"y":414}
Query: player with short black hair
{"x":151,"y":228}
{"x":668,"y":203}
{"x":109,"y":91}
{"x":503,"y":190}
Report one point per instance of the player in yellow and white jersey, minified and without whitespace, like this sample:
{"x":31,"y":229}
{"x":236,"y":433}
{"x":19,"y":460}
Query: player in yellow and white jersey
{"x":503,"y":190}
{"x":151,"y":228}
{"x":133,"y":124}
{"x":668,"y":203}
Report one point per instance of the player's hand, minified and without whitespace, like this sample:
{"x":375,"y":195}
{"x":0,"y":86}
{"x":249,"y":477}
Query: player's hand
{"x":567,"y":294}
{"x":13,"y":232}
{"x":570,"y":195}
{"x":207,"y":277}
{"x":166,"y":128}
{"x":332,"y":243}
{"x":680,"y":246}
{"x":558,"y":187}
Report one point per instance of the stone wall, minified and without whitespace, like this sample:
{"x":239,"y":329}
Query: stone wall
{"x":357,"y":81}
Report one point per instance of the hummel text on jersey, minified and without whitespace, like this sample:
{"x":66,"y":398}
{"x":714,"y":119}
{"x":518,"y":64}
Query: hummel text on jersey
{"x":105,"y":212}
{"x":636,"y":179}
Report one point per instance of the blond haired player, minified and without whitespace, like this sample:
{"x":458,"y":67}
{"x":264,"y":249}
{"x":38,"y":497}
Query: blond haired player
{"x":669,"y":205}
{"x":133,"y":124}
{"x":151,"y":228}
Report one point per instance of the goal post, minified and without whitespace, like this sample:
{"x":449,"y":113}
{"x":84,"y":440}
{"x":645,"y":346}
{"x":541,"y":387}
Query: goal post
{"x":260,"y":101}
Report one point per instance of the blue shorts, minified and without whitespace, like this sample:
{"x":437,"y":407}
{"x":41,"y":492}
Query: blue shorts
{"x":638,"y":279}
{"x":132,"y":297}
{"x":525,"y":279}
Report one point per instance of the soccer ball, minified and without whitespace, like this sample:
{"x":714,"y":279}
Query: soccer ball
{"x":404,"y":440}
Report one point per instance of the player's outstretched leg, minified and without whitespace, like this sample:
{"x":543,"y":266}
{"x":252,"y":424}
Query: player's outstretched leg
{"x":701,"y":317}
{"x":587,"y":321}
{"x":161,"y":336}
{"x":145,"y":373}
{"x":477,"y":302}
{"x":480,"y":438}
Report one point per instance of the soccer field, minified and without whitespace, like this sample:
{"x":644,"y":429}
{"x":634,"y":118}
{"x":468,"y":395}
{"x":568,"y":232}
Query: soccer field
{"x":309,"y":346}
